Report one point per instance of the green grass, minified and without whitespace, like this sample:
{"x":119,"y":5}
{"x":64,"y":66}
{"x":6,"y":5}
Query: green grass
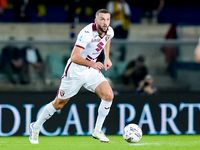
{"x":154,"y":142}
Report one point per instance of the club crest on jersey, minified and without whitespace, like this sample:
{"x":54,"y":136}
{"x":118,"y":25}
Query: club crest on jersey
{"x":107,"y":38}
{"x":62,"y":93}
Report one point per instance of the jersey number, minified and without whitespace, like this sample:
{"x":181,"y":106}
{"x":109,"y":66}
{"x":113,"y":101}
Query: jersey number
{"x":99,"y":46}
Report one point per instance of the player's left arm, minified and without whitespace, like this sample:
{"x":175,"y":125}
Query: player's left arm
{"x":107,"y":61}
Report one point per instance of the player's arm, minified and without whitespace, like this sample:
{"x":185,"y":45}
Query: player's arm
{"x":197,"y":53}
{"x":76,"y":58}
{"x":107,"y":61}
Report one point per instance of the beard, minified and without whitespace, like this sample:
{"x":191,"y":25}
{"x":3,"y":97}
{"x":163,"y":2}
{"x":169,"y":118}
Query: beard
{"x":101,"y":29}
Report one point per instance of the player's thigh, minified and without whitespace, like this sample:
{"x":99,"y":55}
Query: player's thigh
{"x":105,"y":91}
{"x":93,"y":79}
{"x":69,"y":87}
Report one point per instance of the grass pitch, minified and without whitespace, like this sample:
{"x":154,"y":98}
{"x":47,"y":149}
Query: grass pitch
{"x":153,"y":142}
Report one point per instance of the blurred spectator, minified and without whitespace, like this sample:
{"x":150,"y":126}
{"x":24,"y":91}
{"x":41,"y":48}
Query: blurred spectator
{"x":33,"y":59}
{"x":120,"y":21}
{"x":146,"y":86}
{"x":12,"y":63}
{"x":135,"y":72}
{"x":41,"y":10}
{"x":74,"y":11}
{"x":22,"y":10}
{"x":3,"y":5}
{"x":120,"y":17}
{"x":171,"y":52}
{"x":151,"y":9}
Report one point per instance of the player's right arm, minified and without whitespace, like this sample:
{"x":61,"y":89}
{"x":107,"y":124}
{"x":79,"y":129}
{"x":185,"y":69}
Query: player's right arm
{"x":197,"y":52}
{"x":76,"y":58}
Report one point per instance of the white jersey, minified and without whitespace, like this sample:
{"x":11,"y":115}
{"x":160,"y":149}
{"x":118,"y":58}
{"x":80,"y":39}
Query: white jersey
{"x":75,"y":76}
{"x":91,"y":42}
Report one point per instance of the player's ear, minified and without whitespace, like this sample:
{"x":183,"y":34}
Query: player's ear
{"x":95,"y":20}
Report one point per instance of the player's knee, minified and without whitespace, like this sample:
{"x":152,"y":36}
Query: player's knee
{"x":59,"y":104}
{"x":108,"y":96}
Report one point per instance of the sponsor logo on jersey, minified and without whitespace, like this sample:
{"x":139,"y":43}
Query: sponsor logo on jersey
{"x":99,"y":46}
{"x":95,"y":40}
{"x":95,"y":53}
{"x":87,"y":32}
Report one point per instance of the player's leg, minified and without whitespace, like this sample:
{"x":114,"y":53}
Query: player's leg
{"x":68,"y":88}
{"x":47,"y":112}
{"x":104,"y":91}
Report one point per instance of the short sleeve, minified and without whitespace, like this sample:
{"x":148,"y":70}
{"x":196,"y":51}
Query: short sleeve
{"x":111,"y":31}
{"x":84,"y":37}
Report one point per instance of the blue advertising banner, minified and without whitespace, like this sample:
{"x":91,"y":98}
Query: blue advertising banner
{"x":175,"y":113}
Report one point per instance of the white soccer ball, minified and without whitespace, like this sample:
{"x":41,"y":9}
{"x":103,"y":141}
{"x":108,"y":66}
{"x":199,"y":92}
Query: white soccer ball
{"x":132,"y":133}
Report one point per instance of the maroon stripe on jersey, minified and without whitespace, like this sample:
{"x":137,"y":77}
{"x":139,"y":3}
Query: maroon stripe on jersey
{"x":89,"y":57}
{"x":63,"y":77}
{"x":102,"y":36}
{"x":80,"y":46}
{"x":59,"y":86}
{"x":67,"y":68}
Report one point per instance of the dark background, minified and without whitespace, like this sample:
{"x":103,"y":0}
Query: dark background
{"x":39,"y":99}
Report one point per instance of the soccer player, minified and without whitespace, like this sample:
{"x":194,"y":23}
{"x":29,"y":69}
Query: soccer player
{"x":83,"y":70}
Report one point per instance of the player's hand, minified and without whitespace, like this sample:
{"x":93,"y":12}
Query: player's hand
{"x":107,"y":64}
{"x":98,"y":66}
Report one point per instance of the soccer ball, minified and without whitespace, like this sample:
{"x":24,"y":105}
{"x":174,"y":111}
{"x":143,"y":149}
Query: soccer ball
{"x":132,"y":133}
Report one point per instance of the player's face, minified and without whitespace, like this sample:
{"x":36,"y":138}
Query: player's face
{"x":103,"y":22}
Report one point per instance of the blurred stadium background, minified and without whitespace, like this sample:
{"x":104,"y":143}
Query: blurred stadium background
{"x":48,"y":25}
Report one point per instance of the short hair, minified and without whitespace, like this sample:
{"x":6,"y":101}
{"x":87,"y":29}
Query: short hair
{"x":105,"y":11}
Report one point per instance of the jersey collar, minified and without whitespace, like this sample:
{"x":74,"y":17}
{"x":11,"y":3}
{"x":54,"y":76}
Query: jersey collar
{"x":94,"y":28}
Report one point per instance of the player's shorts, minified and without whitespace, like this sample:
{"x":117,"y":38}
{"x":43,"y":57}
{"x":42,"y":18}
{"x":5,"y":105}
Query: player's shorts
{"x":77,"y":76}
